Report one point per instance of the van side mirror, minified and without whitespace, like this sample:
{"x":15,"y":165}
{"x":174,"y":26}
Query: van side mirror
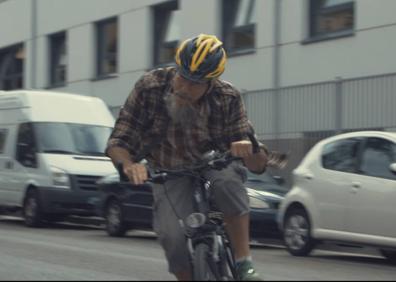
{"x":393,"y":168}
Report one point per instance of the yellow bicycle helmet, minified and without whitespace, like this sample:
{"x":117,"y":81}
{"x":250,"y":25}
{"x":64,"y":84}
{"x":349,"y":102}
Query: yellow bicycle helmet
{"x":201,"y":58}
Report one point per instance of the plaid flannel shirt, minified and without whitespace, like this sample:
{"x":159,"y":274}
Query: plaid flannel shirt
{"x":144,"y":127}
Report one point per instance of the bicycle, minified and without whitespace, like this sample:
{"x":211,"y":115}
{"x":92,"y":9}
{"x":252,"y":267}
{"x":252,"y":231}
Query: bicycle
{"x":209,"y":247}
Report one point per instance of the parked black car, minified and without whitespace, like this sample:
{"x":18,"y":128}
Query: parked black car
{"x":125,"y":206}
{"x":265,"y":195}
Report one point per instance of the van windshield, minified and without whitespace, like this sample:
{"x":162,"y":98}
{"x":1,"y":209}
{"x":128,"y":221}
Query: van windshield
{"x":71,"y":138}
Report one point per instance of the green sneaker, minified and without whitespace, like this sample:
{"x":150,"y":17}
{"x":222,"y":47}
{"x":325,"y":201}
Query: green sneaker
{"x":246,"y":271}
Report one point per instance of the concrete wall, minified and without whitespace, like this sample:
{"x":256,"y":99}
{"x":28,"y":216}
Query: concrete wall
{"x":369,"y":51}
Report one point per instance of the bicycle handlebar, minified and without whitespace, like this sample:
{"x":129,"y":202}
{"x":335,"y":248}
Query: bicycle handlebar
{"x":213,"y":159}
{"x":218,"y":162}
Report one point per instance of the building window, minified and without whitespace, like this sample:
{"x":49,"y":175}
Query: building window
{"x":58,"y":59}
{"x":331,"y":17}
{"x":3,"y":136}
{"x":239,"y":24}
{"x":107,"y":44}
{"x":11,"y":67}
{"x":166,"y":32}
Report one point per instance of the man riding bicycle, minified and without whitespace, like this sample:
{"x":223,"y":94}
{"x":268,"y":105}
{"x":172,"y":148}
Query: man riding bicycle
{"x":171,"y":118}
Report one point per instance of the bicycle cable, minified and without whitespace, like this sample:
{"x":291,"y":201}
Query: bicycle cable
{"x":181,"y":222}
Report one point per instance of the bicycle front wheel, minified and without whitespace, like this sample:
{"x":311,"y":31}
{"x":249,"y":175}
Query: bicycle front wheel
{"x":204,"y":269}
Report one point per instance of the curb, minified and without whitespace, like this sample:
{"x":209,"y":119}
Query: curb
{"x":91,"y":220}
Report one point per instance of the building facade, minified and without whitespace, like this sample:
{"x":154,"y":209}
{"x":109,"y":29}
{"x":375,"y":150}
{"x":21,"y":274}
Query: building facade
{"x":306,"y":68}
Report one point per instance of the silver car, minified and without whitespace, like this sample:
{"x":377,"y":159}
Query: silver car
{"x":344,"y":190}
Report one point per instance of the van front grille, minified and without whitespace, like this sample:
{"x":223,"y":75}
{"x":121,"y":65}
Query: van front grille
{"x":87,"y":182}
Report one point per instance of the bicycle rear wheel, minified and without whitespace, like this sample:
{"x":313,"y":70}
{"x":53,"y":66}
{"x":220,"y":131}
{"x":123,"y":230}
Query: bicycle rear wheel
{"x":204,"y":269}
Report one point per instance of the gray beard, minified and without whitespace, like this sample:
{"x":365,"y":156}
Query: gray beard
{"x":182,"y":115}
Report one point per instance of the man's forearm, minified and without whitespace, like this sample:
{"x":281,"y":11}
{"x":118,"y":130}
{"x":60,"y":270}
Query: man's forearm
{"x":118,"y":154}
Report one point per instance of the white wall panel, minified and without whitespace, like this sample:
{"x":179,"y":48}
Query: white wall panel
{"x":15,"y":22}
{"x":81,"y":53}
{"x":135,"y":29}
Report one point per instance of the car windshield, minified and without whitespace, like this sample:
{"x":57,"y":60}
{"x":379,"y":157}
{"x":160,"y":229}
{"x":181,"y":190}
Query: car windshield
{"x":71,"y":138}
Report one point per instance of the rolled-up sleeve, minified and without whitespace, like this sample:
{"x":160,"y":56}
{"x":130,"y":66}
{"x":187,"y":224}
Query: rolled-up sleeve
{"x":238,"y":124}
{"x":129,"y":125}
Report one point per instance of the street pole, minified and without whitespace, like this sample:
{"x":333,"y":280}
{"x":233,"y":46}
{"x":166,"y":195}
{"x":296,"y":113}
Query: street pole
{"x":276,"y":68}
{"x":34,"y":44}
{"x":338,"y":104}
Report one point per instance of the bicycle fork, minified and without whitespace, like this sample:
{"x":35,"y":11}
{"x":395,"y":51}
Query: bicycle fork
{"x":220,"y":254}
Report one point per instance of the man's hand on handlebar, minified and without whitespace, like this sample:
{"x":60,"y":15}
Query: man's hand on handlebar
{"x":256,"y":162}
{"x":136,"y":172}
{"x":241,"y":149}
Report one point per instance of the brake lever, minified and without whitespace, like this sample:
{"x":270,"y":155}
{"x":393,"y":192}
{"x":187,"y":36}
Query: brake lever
{"x":256,"y":146}
{"x":157,"y":178}
{"x":275,"y":159}
{"x":120,"y":169}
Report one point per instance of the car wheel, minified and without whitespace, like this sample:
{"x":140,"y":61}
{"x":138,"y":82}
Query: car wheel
{"x":115,"y":225}
{"x":297,"y":233}
{"x":32,"y":209}
{"x":389,"y":255}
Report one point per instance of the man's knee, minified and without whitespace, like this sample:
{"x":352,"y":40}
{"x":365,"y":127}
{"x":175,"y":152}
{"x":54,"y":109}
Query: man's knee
{"x":227,"y":185}
{"x":174,"y":245}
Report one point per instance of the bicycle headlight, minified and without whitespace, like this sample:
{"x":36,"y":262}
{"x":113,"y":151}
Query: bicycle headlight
{"x":258,"y":204}
{"x":195,"y":220}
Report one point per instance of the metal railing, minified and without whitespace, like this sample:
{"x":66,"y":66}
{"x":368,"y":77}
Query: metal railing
{"x":311,"y":112}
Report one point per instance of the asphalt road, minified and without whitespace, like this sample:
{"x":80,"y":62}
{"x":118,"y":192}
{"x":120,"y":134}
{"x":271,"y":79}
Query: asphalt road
{"x":81,"y":252}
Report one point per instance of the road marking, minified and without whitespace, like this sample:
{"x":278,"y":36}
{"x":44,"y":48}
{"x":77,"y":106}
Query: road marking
{"x":79,"y":249}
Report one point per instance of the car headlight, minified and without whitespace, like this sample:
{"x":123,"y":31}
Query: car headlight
{"x":258,"y":204}
{"x":60,"y":178}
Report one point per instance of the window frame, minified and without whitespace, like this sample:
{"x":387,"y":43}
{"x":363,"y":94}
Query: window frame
{"x":363,"y":148}
{"x":161,"y":14}
{"x":20,"y":147}
{"x":14,"y":77}
{"x":101,"y":54}
{"x":315,"y":9}
{"x":229,"y":29}
{"x":55,"y":52}
{"x":3,"y":139}
{"x":359,"y":140}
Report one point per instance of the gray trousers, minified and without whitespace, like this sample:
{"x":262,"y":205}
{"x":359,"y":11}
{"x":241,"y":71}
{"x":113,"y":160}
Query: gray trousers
{"x":230,"y":196}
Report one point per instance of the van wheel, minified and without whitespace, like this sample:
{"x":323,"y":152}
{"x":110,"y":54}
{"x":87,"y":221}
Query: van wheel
{"x":297,"y":233}
{"x":389,"y":255}
{"x":32,"y":209}
{"x":115,"y":225}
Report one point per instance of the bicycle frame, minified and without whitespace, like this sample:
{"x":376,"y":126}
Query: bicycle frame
{"x":211,"y":232}
{"x":206,"y":226}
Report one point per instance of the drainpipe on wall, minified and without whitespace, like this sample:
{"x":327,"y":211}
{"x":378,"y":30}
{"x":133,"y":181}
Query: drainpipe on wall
{"x":34,"y":44}
{"x":276,"y":68}
{"x":338,"y":104}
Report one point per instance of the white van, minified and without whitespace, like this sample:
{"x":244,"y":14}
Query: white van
{"x":52,"y":153}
